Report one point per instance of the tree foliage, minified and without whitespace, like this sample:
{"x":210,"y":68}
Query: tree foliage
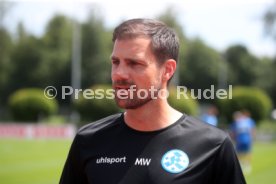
{"x":26,"y":59}
{"x":6,"y":47}
{"x":30,"y":104}
{"x":56,"y":54}
{"x":98,"y":105}
{"x":39,"y":61}
{"x":201,"y":66}
{"x":242,"y":65}
{"x":96,"y":51}
{"x":251,"y":99}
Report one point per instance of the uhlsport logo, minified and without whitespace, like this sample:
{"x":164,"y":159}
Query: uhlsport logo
{"x":175,"y":161}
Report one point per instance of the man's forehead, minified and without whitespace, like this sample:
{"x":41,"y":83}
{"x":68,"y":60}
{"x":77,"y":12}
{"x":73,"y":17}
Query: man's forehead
{"x":133,"y":49}
{"x":132,"y":45}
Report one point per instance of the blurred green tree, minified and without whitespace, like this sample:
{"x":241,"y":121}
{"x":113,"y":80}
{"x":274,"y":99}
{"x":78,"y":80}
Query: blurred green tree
{"x":98,"y":105}
{"x":6,"y":47}
{"x":242,"y":65}
{"x":266,"y":77}
{"x":26,"y":59}
{"x":96,"y":51}
{"x":201,"y":66}
{"x":30,"y":104}
{"x":57,"y":47}
{"x":252,"y":99}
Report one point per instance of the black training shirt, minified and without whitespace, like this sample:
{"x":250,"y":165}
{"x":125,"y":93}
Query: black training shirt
{"x":187,"y":152}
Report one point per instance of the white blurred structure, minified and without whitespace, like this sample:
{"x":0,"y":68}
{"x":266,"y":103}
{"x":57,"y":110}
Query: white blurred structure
{"x":37,"y":131}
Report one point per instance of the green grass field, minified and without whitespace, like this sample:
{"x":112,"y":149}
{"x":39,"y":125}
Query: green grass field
{"x":263,"y":164}
{"x":41,"y":162}
{"x":32,"y":161}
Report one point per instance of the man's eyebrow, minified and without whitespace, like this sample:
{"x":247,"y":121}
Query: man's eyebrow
{"x":127,"y":59}
{"x":114,"y":57}
{"x":132,"y":59}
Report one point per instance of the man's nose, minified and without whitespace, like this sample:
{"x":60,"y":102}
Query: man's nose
{"x":119,"y":72}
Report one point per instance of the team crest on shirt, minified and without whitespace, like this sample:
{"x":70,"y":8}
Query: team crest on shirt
{"x":175,"y":161}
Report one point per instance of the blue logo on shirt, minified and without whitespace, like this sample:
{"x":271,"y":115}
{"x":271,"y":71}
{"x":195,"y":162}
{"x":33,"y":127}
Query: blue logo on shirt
{"x":175,"y":161}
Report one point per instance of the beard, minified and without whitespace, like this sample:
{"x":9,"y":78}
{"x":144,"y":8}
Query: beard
{"x":133,"y":103}
{"x":132,"y":99}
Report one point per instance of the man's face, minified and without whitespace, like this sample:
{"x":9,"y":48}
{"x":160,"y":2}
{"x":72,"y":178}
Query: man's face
{"x":134,"y":66}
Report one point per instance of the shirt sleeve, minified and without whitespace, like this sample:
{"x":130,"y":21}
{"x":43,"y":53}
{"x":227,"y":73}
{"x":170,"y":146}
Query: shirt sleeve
{"x":227,"y":168}
{"x":73,"y":172}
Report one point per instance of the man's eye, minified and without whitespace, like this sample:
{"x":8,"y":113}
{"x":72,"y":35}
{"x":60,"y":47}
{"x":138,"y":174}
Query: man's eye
{"x":115,"y":62}
{"x":133,"y":63}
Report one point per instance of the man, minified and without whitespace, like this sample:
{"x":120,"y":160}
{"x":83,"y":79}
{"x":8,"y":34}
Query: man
{"x":243,"y":133}
{"x":150,"y":143}
{"x":210,"y":116}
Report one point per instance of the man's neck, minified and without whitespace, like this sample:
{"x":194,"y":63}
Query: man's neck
{"x":154,"y":115}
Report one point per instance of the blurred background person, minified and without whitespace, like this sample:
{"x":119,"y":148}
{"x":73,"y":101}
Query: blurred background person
{"x":243,"y":133}
{"x":210,"y":116}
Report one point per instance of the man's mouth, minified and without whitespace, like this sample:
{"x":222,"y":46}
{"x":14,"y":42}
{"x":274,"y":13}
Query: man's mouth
{"x":121,"y":87}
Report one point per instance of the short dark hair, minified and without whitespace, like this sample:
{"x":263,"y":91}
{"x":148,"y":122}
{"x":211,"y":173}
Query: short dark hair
{"x":164,"y":41}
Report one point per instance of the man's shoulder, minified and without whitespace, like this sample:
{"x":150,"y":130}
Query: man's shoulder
{"x":205,"y":131}
{"x":99,"y":124}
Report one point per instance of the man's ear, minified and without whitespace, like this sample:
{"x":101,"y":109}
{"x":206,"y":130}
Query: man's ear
{"x":169,"y":69}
